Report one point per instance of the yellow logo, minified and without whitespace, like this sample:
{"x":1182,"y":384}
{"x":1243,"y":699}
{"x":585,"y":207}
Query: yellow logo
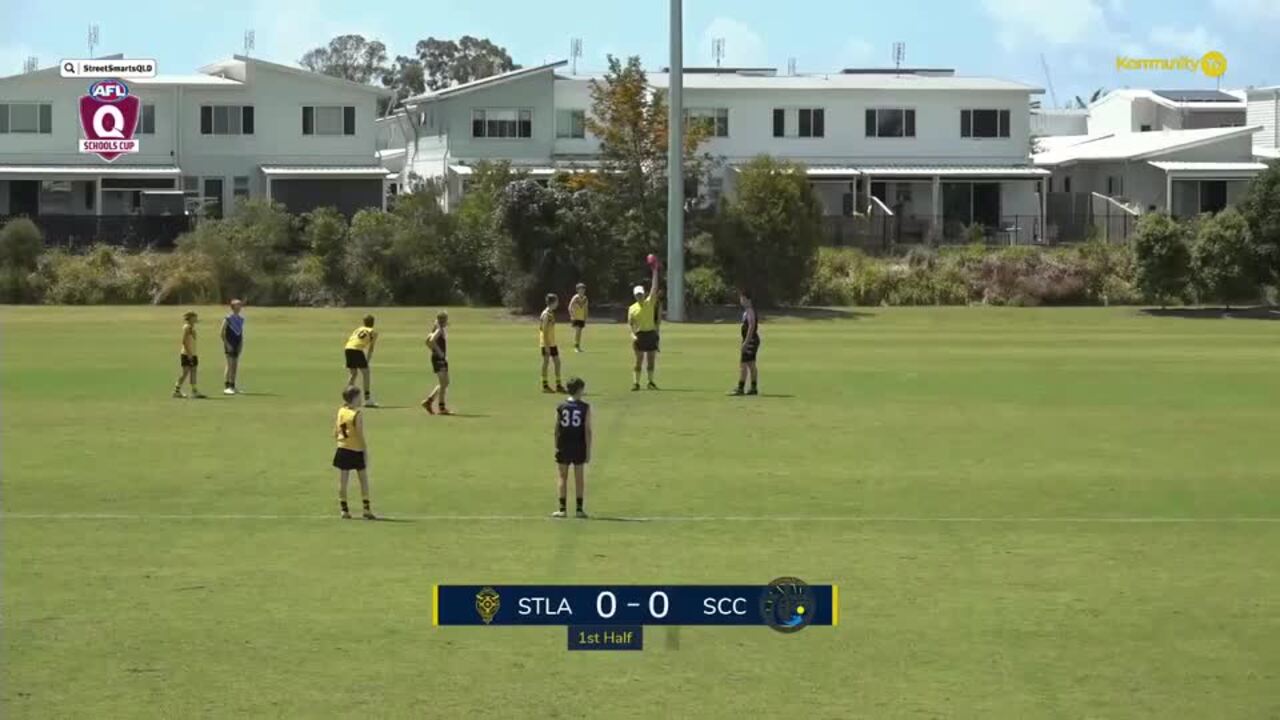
{"x":487,"y":604}
{"x":1213,"y":64}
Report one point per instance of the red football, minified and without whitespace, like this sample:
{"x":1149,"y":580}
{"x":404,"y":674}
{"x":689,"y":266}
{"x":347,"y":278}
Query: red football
{"x":652,"y":260}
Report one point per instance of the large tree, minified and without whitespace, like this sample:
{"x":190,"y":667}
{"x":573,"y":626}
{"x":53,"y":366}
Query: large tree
{"x":446,"y":63}
{"x":350,"y":57}
{"x":405,"y":77}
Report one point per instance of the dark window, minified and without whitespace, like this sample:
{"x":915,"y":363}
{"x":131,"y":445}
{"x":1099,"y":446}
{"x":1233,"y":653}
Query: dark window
{"x":1004,"y":123}
{"x":966,"y":123}
{"x":247,"y":120}
{"x":1145,"y":128}
{"x":46,"y":119}
{"x":213,"y":197}
{"x":846,"y":204}
{"x":526,"y":123}
{"x":221,"y":120}
{"x":4,"y":118}
{"x":308,"y":120}
{"x":1049,"y":187}
{"x":477,"y":123}
{"x":137,"y":183}
{"x":871,"y":123}
{"x":779,"y":122}
{"x":891,"y":123}
{"x":206,"y":120}
{"x":349,"y":120}
{"x":910,"y":116}
{"x":1066,"y":184}
{"x":147,"y":121}
{"x":1213,"y":196}
{"x":984,"y":123}
{"x":226,"y":120}
{"x":90,"y":191}
{"x":806,"y":123}
{"x":819,"y":122}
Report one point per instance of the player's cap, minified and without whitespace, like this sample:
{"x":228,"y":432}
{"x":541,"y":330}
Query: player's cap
{"x":638,"y":290}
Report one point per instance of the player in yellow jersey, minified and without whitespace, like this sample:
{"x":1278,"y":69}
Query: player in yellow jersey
{"x":188,"y":357}
{"x":547,"y":342}
{"x":359,"y":352}
{"x":578,"y":308}
{"x":642,"y":316}
{"x":352,"y":453}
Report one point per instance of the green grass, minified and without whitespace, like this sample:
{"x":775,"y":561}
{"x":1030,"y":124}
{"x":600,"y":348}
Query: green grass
{"x":1030,"y":513}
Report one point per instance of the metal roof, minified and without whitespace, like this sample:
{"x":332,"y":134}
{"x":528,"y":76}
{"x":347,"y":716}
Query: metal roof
{"x":1137,"y":146}
{"x":92,"y":170}
{"x":323,"y":171}
{"x":924,"y":171}
{"x":842,"y":81}
{"x":448,"y":92}
{"x":1217,"y":168}
{"x":1196,"y":96}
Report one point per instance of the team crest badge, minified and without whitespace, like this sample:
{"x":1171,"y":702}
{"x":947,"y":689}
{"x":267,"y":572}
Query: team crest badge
{"x":487,"y":604}
{"x":109,"y":117}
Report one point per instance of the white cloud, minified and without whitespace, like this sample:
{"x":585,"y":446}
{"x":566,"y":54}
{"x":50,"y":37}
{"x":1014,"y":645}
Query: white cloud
{"x":1195,"y":41}
{"x":743,"y":47}
{"x":1250,"y":13}
{"x":857,"y":52}
{"x":1027,"y":22}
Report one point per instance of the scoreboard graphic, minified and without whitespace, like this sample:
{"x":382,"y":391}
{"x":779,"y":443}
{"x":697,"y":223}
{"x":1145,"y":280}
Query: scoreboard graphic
{"x":613,"y":617}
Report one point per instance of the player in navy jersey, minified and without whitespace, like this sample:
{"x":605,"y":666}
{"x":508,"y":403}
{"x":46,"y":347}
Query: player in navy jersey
{"x":438,"y":341}
{"x":573,"y":444}
{"x":750,"y":346}
{"x":232,"y":344}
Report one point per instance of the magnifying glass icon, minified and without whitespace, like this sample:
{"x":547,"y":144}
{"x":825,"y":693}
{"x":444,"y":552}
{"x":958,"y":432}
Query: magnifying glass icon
{"x":69,"y":68}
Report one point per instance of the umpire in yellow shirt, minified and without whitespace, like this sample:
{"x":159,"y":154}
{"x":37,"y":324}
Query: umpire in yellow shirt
{"x":642,"y":316}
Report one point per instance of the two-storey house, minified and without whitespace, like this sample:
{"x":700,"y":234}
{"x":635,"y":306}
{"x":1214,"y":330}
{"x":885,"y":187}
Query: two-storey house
{"x":236,"y":129}
{"x":934,"y":151}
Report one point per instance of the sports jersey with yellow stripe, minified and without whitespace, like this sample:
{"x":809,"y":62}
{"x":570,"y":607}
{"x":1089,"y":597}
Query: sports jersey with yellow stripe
{"x":547,"y":329}
{"x":362,"y":338}
{"x":346,"y":431}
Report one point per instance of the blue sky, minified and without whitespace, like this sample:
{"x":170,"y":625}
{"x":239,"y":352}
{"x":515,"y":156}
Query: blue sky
{"x":1080,"y":39}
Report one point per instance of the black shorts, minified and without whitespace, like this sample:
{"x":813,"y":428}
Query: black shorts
{"x":646,"y":341}
{"x":345,"y":459}
{"x":439,"y":364}
{"x":571,"y":455}
{"x":552,"y":351}
{"x":749,"y":351}
{"x":232,"y":346}
{"x":189,"y":361}
{"x":579,"y":323}
{"x":356,"y":359}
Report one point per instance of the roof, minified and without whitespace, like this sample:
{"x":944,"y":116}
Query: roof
{"x":541,"y":170}
{"x":484,"y":82}
{"x":842,"y":81}
{"x":1248,"y":169}
{"x":1179,"y":99}
{"x":213,"y":68}
{"x":1266,"y":153}
{"x":1196,"y":96}
{"x":1136,"y":146}
{"x":208,"y":80}
{"x":926,"y":171}
{"x":91,"y":170}
{"x":322,"y":171}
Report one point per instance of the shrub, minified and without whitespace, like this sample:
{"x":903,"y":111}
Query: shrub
{"x":832,"y":281}
{"x":1225,"y":263}
{"x":21,"y":243}
{"x":325,"y":235}
{"x":368,"y":259}
{"x":102,"y":276}
{"x":704,"y":286}
{"x":1162,"y":259}
{"x":248,"y":254}
{"x":1261,"y":211}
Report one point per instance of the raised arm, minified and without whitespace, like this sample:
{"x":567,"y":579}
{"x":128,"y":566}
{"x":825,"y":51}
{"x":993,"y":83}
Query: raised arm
{"x":653,"y":284}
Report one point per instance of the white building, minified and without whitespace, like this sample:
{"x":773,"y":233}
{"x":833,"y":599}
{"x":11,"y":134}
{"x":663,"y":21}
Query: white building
{"x":933,"y":151}
{"x":238,"y":128}
{"x":1264,"y":112}
{"x":1137,"y":110}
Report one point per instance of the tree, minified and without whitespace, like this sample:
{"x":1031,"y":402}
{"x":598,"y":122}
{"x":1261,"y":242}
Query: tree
{"x":350,"y":57}
{"x":1224,"y":260}
{"x":446,"y":63}
{"x":1081,"y":103}
{"x":1261,"y":210}
{"x":1162,"y":258}
{"x":405,"y":77}
{"x":630,"y":120}
{"x":772,"y":227}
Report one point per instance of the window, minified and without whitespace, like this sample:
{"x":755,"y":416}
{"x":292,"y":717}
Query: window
{"x":779,"y":122}
{"x":501,"y":123}
{"x":213,"y":197}
{"x":1115,"y":185}
{"x":812,"y":122}
{"x":802,"y":122}
{"x":1049,"y":185}
{"x":984,"y":123}
{"x":1066,"y":184}
{"x":890,"y":122}
{"x":147,"y":121}
{"x":328,"y":120}
{"x":26,"y":118}
{"x":240,"y":188}
{"x":226,"y":119}
{"x":1145,"y":128}
{"x":571,"y":124}
{"x":717,"y":119}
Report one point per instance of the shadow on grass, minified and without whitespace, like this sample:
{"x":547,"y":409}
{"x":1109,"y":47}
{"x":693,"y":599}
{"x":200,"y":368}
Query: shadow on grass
{"x":258,"y":394}
{"x":1260,"y":312}
{"x":733,"y":313}
{"x":464,"y":415}
{"x":610,"y":518}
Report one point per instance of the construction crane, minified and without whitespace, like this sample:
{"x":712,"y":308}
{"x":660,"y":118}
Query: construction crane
{"x":1048,"y":79}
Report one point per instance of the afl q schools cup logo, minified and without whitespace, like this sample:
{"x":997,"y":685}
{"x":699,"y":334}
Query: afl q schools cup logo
{"x":109,"y":117}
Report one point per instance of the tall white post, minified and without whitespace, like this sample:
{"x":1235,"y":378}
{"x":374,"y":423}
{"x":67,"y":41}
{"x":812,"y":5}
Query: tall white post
{"x":675,"y":170}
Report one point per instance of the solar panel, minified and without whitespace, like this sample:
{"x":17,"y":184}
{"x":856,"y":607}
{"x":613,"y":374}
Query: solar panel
{"x":1193,"y":96}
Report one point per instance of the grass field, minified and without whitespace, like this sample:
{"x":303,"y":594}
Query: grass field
{"x":1030,"y":513}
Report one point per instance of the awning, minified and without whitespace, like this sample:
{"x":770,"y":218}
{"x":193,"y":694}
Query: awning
{"x":1211,"y":169}
{"x":77,"y":172}
{"x":532,"y":171}
{"x":924,"y":171}
{"x":278,"y":172}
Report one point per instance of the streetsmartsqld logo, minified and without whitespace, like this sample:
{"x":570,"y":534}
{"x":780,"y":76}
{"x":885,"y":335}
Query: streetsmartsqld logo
{"x":109,"y":117}
{"x":1212,"y":64}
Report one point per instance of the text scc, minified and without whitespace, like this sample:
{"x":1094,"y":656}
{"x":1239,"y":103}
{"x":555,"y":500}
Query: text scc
{"x":125,"y":69}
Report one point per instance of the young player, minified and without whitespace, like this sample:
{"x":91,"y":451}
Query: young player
{"x":359,"y":352}
{"x":547,"y":342}
{"x":573,"y":445}
{"x":232,"y":333}
{"x":438,"y":341}
{"x":189,"y":357}
{"x":750,"y":345}
{"x":578,"y":308}
{"x":642,"y":317}
{"x":352,"y":452}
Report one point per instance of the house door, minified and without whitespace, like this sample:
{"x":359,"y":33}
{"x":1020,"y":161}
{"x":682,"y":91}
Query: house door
{"x":1213,"y":196}
{"x":24,"y":197}
{"x":986,"y":204}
